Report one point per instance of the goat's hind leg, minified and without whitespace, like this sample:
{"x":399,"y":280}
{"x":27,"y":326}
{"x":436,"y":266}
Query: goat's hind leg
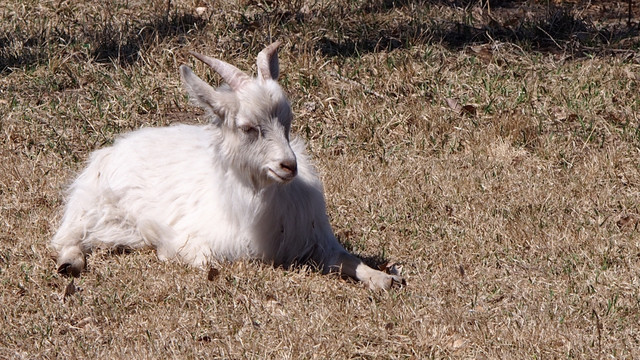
{"x":104,"y":225}
{"x":67,"y":242}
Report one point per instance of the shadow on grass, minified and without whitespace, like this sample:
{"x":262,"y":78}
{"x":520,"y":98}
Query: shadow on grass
{"x":103,"y":43}
{"x":110,"y":45}
{"x":535,"y":27}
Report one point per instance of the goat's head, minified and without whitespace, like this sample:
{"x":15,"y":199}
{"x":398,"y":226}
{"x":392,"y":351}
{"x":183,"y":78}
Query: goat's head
{"x":254,"y":116}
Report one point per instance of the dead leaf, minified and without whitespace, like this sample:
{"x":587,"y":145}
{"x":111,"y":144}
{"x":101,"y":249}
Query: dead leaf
{"x":613,"y":118}
{"x":477,"y":12}
{"x":623,"y":179}
{"x":453,"y":104}
{"x":572,"y":118}
{"x":631,"y":75}
{"x":310,"y":106}
{"x":449,"y":210}
{"x":627,"y":221}
{"x":469,"y":109}
{"x":213,"y":273}
{"x":21,"y":290}
{"x":559,"y":114}
{"x":70,"y":289}
{"x":517,"y":160}
{"x":479,"y":309}
{"x":482,"y":51}
{"x":205,"y":338}
{"x":457,"y":344}
{"x":82,"y":323}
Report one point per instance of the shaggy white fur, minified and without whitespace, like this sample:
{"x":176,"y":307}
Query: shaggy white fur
{"x":234,"y":189}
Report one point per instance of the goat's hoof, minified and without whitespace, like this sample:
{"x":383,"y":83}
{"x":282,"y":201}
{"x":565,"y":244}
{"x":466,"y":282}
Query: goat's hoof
{"x":384,"y":281}
{"x":69,"y":269}
{"x":71,"y":262}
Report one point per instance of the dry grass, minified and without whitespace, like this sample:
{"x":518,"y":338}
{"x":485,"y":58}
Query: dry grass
{"x":515,"y":217}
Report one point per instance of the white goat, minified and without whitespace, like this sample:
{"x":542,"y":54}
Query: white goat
{"x":233,"y":189}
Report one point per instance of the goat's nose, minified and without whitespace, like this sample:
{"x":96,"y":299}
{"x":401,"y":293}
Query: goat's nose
{"x":290,"y":166}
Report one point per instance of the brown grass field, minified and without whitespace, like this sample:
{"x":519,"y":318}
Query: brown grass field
{"x":490,"y":149}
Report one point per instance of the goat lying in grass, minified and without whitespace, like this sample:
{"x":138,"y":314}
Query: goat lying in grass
{"x":236,"y":188}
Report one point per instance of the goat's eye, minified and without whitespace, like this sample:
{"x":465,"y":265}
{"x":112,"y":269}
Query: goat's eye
{"x":249,"y":129}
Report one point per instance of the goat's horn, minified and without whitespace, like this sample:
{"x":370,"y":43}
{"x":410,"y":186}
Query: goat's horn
{"x":268,"y":62}
{"x":231,"y":74}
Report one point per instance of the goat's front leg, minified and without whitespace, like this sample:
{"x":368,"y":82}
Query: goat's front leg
{"x":353,"y":266}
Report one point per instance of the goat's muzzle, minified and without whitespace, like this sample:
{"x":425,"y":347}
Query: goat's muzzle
{"x":285,"y":171}
{"x":289,"y":167}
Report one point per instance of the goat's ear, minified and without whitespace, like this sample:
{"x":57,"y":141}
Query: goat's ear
{"x":203,"y":94}
{"x":268,"y":67}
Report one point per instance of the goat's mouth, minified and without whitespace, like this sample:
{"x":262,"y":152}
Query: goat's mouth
{"x":282,"y":176}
